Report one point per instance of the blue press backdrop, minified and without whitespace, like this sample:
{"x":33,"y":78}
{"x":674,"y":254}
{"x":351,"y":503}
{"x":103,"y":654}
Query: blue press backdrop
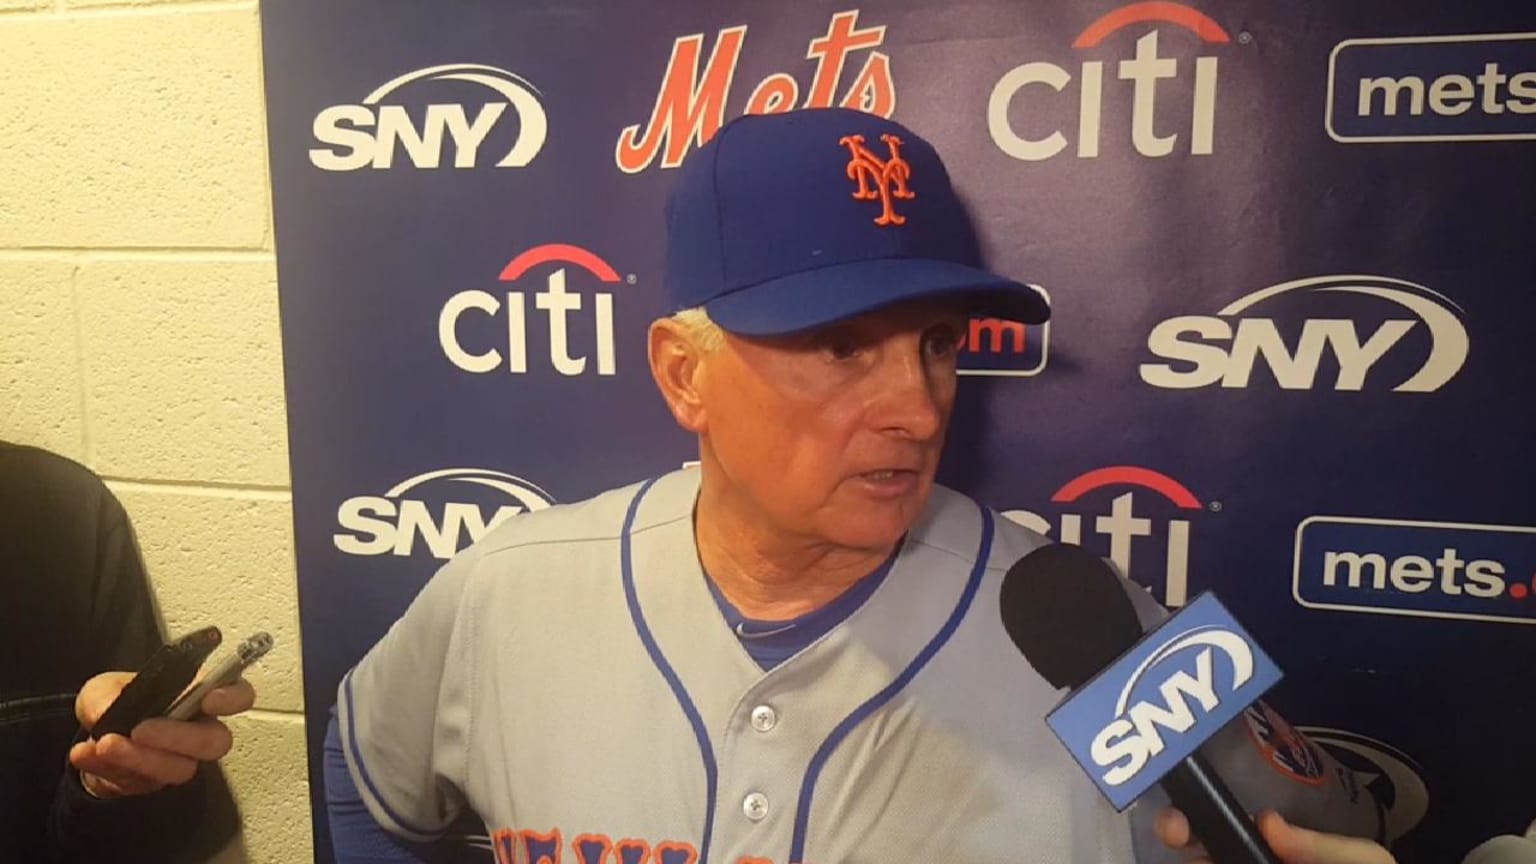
{"x":1288,"y":247}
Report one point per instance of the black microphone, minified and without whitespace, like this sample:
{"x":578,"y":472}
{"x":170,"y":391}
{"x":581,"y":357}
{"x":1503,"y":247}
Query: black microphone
{"x":1068,"y":612}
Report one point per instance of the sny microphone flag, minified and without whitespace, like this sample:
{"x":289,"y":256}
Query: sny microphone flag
{"x":1131,"y":723}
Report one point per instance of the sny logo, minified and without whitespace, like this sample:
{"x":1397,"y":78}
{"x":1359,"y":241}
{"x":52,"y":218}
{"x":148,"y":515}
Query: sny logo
{"x":1433,"y":88}
{"x":690,"y":108}
{"x":447,"y":509}
{"x":554,"y":300}
{"x":1155,"y":705}
{"x":1006,"y":109}
{"x":1422,"y":569}
{"x":889,"y":176}
{"x":367,"y":135}
{"x":1121,"y":525}
{"x":1224,"y":350}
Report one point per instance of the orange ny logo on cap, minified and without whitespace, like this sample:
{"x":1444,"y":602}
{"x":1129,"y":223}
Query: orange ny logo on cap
{"x":889,"y":176}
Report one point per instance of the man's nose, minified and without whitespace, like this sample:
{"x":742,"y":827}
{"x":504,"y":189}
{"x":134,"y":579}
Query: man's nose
{"x":908,"y":401}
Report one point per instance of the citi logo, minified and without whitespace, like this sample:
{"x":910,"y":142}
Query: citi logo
{"x":372,"y":133}
{"x":447,"y":510}
{"x":1224,"y":349}
{"x":1125,"y":745}
{"x":1032,"y":95}
{"x":471,"y":345}
{"x":1122,"y":523}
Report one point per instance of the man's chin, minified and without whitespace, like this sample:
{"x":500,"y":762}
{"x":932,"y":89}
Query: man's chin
{"x":878,"y":524}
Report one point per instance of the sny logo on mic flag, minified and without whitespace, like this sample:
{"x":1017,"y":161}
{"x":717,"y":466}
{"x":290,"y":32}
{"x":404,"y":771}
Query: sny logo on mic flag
{"x":1162,"y":699}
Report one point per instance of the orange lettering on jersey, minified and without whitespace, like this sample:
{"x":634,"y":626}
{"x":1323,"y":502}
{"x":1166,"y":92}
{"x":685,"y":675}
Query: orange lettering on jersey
{"x":754,"y":861}
{"x":632,"y":850}
{"x":889,"y":176}
{"x":541,"y":848}
{"x":593,"y":848}
{"x":504,"y":845}
{"x":673,"y":852}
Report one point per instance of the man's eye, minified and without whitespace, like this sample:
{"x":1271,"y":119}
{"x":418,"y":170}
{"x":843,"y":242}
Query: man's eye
{"x":841,"y":348}
{"x":838,"y":344}
{"x":943,"y":341}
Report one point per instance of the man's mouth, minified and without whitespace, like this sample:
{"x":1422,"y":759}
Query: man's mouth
{"x":886,"y":482}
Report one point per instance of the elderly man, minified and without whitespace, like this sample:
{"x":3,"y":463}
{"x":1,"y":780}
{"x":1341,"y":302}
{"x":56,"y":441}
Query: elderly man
{"x":792,"y":653}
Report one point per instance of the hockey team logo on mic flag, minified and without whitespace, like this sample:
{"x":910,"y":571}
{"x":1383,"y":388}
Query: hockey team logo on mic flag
{"x":1158,"y":702}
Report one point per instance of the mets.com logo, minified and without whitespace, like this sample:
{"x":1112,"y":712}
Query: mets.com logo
{"x":993,"y":347}
{"x":1421,"y":569}
{"x":1433,"y":88}
{"x":447,"y":509}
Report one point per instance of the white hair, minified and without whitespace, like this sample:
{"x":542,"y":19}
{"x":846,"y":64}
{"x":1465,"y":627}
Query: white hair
{"x":704,"y":331}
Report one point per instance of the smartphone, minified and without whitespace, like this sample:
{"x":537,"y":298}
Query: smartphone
{"x":226,"y":673}
{"x":167,"y":672}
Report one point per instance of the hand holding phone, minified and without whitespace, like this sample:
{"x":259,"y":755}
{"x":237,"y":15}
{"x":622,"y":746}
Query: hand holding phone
{"x":223,"y":675}
{"x":167,"y":672}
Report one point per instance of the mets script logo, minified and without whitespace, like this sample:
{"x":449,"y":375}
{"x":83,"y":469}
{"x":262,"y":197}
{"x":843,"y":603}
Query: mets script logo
{"x":865,"y":168}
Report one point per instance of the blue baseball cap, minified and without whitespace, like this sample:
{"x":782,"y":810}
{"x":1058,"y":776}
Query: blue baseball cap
{"x":785,"y":222}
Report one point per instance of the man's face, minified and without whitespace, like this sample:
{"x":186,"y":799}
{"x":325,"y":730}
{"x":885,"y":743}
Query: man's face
{"x":833,"y":435}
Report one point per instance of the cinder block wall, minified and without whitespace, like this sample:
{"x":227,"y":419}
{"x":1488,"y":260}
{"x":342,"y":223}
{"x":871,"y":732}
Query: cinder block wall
{"x":139,"y":330}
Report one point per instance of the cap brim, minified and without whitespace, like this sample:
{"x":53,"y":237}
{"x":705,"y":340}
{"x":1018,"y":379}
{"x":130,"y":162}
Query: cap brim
{"x":802,"y":301}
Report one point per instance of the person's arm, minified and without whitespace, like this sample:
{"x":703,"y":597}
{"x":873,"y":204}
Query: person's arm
{"x":356,"y":837}
{"x":402,"y":713}
{"x":145,"y":797}
{"x":183,"y":811}
{"x":1290,"y":843}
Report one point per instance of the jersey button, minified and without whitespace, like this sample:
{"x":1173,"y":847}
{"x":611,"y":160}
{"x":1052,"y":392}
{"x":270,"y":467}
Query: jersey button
{"x":764,"y":718}
{"x":755,"y":806}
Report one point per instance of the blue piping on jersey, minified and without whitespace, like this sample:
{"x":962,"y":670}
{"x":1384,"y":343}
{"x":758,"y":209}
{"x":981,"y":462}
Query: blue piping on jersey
{"x":362,"y":768}
{"x":706,"y":749}
{"x":813,"y":771}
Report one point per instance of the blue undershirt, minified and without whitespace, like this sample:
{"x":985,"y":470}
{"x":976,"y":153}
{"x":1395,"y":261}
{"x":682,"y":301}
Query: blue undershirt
{"x":770,"y":643}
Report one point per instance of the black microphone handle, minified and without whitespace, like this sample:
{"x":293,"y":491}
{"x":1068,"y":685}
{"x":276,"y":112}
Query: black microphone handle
{"x":1218,"y":821}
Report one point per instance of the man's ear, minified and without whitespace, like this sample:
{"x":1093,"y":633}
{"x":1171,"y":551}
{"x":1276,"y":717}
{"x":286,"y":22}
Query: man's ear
{"x":677,"y":365}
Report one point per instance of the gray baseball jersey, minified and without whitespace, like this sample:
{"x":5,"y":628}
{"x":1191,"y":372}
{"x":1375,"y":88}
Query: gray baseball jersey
{"x":571,"y":680}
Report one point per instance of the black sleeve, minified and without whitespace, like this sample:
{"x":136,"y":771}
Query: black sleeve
{"x":186,"y":823}
{"x":124,"y":626}
{"x":137,"y":829}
